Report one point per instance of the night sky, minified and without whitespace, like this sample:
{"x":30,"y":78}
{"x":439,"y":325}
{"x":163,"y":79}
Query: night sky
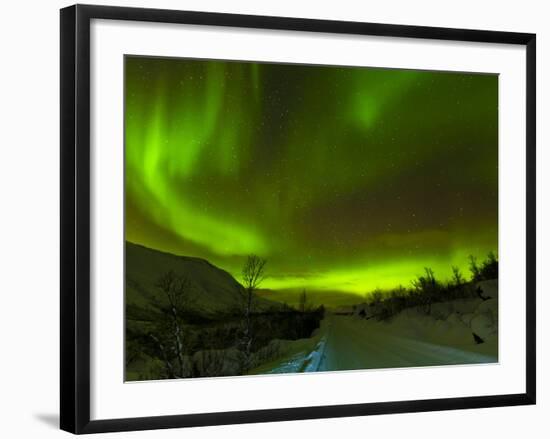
{"x":343,"y":178}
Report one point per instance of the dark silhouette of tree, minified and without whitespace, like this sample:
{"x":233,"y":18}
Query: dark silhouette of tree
{"x":175,"y":290}
{"x":303,"y":305}
{"x":457,"y":278}
{"x":253,"y":274}
{"x":428,"y":288}
{"x":376,"y":297}
{"x":489,"y":267}
{"x":487,"y":270}
{"x":474,"y":268}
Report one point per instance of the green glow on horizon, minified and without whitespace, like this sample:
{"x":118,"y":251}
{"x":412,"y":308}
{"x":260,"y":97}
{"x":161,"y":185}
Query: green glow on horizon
{"x":362,"y":280}
{"x":345,"y":179}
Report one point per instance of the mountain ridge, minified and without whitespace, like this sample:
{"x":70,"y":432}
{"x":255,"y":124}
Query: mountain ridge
{"x":214,"y":290}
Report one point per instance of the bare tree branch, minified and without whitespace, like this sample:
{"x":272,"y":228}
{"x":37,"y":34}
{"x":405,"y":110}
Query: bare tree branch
{"x":253,"y":275}
{"x":176,"y":290}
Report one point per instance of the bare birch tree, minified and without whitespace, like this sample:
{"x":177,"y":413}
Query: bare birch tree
{"x":457,"y":278}
{"x":176,"y":291}
{"x":252,"y":274}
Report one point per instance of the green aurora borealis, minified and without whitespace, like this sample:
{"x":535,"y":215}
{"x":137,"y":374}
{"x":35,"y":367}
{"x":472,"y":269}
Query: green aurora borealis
{"x":345,"y":179}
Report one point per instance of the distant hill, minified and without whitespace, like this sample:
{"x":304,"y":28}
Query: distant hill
{"x":213,"y":290}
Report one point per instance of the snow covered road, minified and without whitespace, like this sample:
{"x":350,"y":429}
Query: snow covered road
{"x":349,"y":346}
{"x":347,"y":343}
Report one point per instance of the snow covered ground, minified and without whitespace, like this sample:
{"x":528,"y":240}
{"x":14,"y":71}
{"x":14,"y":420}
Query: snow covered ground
{"x":412,"y":338}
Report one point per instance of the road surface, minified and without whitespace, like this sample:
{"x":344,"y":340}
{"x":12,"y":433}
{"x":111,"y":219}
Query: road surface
{"x":348,"y":344}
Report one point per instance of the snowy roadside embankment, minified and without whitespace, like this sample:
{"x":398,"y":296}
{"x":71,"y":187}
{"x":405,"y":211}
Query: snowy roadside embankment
{"x":305,"y":355}
{"x":302,"y":362}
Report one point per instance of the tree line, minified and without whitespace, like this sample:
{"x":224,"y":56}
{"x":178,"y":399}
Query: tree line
{"x":426,"y":289}
{"x":176,"y":332}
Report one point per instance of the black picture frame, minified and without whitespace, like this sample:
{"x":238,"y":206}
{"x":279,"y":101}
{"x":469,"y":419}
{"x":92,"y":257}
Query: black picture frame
{"x":75,"y":218}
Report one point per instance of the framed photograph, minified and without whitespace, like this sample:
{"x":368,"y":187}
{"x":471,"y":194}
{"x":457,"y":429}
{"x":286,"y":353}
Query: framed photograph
{"x":268,"y":218}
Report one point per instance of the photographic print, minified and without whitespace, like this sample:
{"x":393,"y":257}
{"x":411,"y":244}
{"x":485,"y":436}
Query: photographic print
{"x":293,"y":218}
